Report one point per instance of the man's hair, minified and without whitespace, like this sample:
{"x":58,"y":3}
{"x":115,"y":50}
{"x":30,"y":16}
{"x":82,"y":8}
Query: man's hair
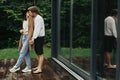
{"x":114,"y":12}
{"x":33,"y":9}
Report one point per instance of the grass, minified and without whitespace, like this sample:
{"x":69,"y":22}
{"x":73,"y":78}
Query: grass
{"x":75,"y":52}
{"x":10,"y":53}
{"x":65,"y":52}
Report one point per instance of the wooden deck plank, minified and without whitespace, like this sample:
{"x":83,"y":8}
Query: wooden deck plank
{"x":51,"y":71}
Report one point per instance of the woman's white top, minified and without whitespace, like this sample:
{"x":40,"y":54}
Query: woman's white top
{"x":25,"y":26}
{"x":110,"y":27}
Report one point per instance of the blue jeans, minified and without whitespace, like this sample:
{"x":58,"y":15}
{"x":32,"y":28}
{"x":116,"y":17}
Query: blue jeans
{"x":24,"y":53}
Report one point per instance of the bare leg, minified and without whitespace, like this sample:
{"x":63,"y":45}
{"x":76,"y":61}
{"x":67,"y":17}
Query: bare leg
{"x":108,"y":58}
{"x":40,"y":63}
{"x":35,"y":68}
{"x":105,"y":60}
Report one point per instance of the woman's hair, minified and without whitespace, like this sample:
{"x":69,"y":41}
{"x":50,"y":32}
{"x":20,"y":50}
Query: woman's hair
{"x":24,"y":14}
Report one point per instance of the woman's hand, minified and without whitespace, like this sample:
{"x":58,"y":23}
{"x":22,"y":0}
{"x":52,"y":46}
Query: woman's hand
{"x":21,"y":31}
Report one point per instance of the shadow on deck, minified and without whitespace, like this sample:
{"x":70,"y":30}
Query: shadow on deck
{"x":51,"y":71}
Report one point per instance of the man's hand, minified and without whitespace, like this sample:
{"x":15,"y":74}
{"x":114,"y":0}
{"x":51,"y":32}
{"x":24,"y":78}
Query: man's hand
{"x":31,"y":42}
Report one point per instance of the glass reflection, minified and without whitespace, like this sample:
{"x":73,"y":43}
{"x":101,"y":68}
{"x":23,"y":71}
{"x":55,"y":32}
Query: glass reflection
{"x":104,"y":70}
{"x":65,"y":29}
{"x":81,"y":33}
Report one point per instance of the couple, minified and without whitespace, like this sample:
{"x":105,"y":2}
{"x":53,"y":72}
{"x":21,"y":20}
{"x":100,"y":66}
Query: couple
{"x":33,"y":32}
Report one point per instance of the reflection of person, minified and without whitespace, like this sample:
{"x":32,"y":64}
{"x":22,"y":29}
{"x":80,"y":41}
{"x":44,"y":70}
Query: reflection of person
{"x":24,"y":50}
{"x":38,"y":37}
{"x":110,"y":33}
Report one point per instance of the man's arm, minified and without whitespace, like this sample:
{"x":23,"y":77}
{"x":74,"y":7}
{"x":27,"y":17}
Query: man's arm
{"x":114,"y":31}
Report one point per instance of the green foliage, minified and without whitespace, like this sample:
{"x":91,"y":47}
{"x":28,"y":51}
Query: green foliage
{"x":48,"y":38}
{"x":45,"y":11}
{"x":11,"y":19}
{"x":81,"y":23}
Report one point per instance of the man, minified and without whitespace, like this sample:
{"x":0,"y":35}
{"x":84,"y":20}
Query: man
{"x":110,"y":33}
{"x":38,"y":37}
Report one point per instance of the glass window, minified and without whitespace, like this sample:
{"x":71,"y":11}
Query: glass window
{"x":103,"y":70}
{"x":81,"y":34}
{"x":65,"y":29}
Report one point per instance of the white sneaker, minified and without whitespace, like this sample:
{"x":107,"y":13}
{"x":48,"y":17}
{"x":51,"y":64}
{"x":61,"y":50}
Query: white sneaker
{"x":14,"y":69}
{"x":26,"y":70}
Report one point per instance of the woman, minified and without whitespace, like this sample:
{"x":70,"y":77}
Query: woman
{"x":24,"y":50}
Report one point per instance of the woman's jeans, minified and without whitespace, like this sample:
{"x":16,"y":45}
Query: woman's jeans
{"x":24,"y":53}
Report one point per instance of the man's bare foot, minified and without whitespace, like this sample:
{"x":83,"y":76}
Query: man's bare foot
{"x":34,"y":68}
{"x":37,"y":71}
{"x":111,"y":66}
